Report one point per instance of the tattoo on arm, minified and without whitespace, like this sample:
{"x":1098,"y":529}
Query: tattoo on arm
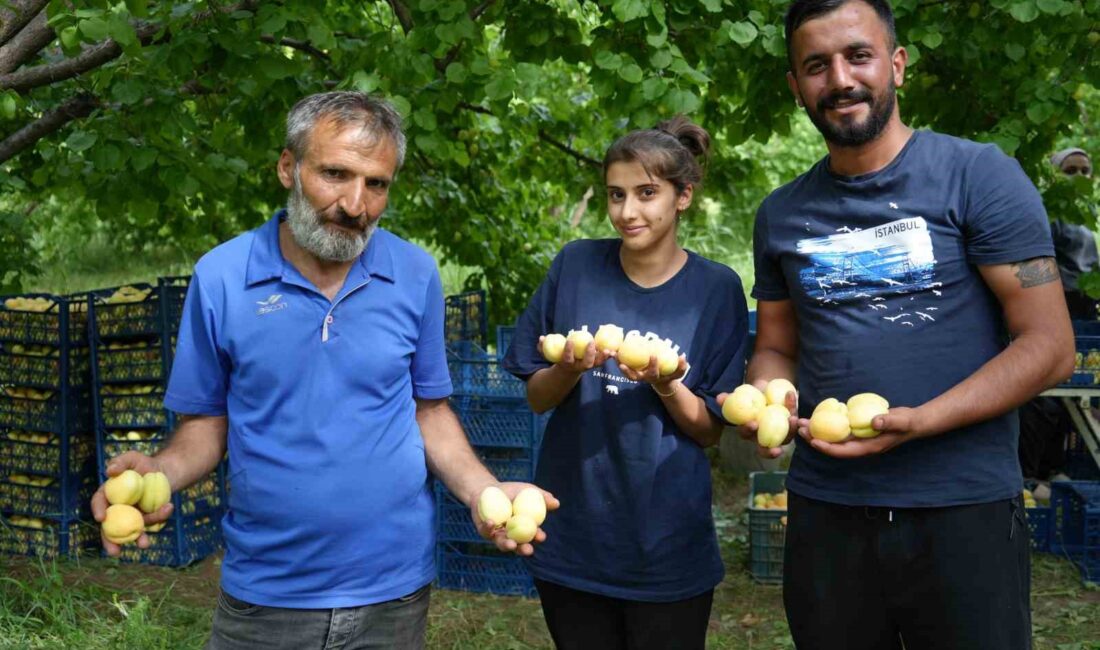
{"x":1036,"y":271}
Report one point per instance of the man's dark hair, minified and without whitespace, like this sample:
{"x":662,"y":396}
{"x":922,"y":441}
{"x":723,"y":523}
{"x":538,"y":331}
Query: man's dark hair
{"x":801,"y":11}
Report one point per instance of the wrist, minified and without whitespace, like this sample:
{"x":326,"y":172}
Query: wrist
{"x":666,"y":389}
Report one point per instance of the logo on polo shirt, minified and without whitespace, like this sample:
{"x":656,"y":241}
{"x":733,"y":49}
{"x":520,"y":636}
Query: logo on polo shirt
{"x":271,"y":304}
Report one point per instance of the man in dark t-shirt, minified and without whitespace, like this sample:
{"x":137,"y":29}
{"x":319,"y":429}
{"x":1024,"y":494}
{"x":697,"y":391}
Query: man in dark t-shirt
{"x":901,"y":264}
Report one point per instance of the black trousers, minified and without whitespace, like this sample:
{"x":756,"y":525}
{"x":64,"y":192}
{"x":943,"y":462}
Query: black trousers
{"x":955,"y":578}
{"x":579,"y":620}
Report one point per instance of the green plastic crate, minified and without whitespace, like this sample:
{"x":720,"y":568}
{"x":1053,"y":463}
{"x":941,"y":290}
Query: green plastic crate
{"x":767,"y":529}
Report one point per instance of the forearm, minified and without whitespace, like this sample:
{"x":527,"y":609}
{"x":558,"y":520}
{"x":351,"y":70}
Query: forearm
{"x":768,"y":364}
{"x":690,"y":414}
{"x":1028,"y":366}
{"x":549,"y":387}
{"x":195,"y":449}
{"x":449,"y":454}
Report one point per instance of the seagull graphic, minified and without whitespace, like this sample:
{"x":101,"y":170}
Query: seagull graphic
{"x":890,"y":282}
{"x":938,"y":293}
{"x":877,"y":299}
{"x":894,"y":318}
{"x":844,"y":229}
{"x":270,"y":301}
{"x":925,"y":316}
{"x":821,"y":284}
{"x":935,"y":284}
{"x":844,"y":283}
{"x":931,"y":309}
{"x":864,"y":295}
{"x":877,"y":307}
{"x":893,"y":205}
{"x":905,"y":322}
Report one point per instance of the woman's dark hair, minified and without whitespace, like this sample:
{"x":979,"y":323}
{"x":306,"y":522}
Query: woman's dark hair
{"x":671,"y":151}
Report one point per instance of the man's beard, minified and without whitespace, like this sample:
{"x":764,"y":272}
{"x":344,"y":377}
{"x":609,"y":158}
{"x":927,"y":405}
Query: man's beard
{"x":307,"y":225}
{"x":848,"y":132}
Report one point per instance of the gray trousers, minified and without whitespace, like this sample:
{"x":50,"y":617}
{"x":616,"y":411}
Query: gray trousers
{"x":397,"y":624}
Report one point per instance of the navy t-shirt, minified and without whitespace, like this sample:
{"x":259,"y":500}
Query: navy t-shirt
{"x":882,"y":270}
{"x":635,"y":518}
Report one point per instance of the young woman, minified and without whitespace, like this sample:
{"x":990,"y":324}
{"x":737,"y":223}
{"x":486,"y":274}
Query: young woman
{"x":631,"y":557}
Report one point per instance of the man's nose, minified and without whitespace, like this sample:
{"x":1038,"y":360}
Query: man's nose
{"x":840,"y":75}
{"x":353,"y":201}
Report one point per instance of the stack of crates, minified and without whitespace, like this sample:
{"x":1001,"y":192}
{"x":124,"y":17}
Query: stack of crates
{"x":506,"y":434}
{"x":466,"y":319}
{"x":47,"y":450}
{"x":133,"y":335}
{"x":1075,"y":531}
{"x":1086,"y":371}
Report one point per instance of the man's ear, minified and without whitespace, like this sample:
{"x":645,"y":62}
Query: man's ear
{"x":792,"y":84}
{"x":899,"y":61}
{"x":285,"y":168}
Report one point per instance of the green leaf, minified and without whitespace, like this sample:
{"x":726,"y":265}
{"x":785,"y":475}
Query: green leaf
{"x":425,"y":119}
{"x":627,"y":10}
{"x":80,"y":141}
{"x":8,"y":105}
{"x":653,"y":88}
{"x":128,"y":91}
{"x":660,"y":59}
{"x":456,"y":73}
{"x":631,"y":73}
{"x":914,"y":53}
{"x":743,"y":33}
{"x":401,"y":104}
{"x":1015,"y":51}
{"x":932,"y":40}
{"x":94,"y":29}
{"x":70,"y":37}
{"x":138,"y":8}
{"x":142,"y":158}
{"x":713,"y":6}
{"x":681,"y":101}
{"x":1053,"y":7}
{"x":1040,"y":112}
{"x":608,"y":60}
{"x":1024,"y":11}
{"x":500,"y":86}
{"x":364,"y":81}
{"x":122,"y":31}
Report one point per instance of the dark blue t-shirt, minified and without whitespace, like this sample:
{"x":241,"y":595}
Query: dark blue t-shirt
{"x":635,"y":518}
{"x":882,"y":270}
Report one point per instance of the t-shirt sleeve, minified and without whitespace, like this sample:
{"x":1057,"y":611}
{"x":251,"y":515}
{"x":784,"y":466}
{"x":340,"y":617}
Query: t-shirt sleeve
{"x":430,"y":377}
{"x":200,"y":369}
{"x":724,"y":368}
{"x":1004,"y":219}
{"x":523,"y":358}
{"x":770,"y":283}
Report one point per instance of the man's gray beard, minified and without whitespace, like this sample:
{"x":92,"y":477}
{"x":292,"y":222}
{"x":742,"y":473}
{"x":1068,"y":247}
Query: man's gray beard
{"x":307,"y":225}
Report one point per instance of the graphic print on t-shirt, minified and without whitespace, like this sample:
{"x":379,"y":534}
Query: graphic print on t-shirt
{"x":893,"y":259}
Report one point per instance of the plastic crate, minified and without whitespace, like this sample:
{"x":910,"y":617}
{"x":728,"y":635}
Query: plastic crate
{"x":173,"y":292}
{"x":58,"y":411}
{"x":1038,"y":524}
{"x":52,"y":540}
{"x":140,"y":360}
{"x":114,"y":314}
{"x":1087,"y":368}
{"x":63,"y":323}
{"x":504,"y":338}
{"x":767,"y":529}
{"x":453,"y":518}
{"x":484,"y":378}
{"x":509,"y":464}
{"x":466,"y":318}
{"x":44,"y":453}
{"x":183,"y":540}
{"x":206,"y":495}
{"x":119,"y":410}
{"x":1080,"y":464}
{"x":65,"y":497}
{"x":1075,"y":531}
{"x":499,"y":422}
{"x":480,"y":567}
{"x":44,"y":366}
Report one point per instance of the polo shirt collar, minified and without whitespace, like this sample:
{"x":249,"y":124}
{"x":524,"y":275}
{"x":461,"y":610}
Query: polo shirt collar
{"x":266,"y":262}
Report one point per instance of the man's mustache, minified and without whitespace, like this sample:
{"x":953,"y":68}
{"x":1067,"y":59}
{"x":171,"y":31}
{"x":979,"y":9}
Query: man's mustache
{"x":862,"y":95}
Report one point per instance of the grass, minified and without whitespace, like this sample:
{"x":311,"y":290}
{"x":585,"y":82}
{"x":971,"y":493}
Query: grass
{"x":99,"y":604}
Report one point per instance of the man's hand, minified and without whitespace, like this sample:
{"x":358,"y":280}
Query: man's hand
{"x":747,"y":431}
{"x":141,"y":464}
{"x":495,"y":531}
{"x":582,"y":361}
{"x":897,"y":426}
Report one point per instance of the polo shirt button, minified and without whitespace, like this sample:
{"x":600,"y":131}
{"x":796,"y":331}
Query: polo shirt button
{"x":328,"y":319}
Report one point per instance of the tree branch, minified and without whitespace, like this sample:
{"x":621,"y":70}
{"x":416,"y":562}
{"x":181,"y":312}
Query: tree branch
{"x":545,"y":137}
{"x":73,"y":108}
{"x":475,"y":108}
{"x":404,"y":16}
{"x":301,"y":46}
{"x":15,"y":18}
{"x":475,"y":13}
{"x":26,"y":43}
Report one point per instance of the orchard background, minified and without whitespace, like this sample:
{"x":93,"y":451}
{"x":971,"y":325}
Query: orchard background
{"x":136,"y":135}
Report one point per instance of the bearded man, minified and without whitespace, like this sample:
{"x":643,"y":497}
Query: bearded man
{"x":918,"y":266}
{"x":312,"y":349}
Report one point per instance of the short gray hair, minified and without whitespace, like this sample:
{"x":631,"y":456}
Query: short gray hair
{"x":374,"y":115}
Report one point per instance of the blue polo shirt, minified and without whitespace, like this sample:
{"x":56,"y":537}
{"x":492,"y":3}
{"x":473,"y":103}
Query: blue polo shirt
{"x":330,"y":503}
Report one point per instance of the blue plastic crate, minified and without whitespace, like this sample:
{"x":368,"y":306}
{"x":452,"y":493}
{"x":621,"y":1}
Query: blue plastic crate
{"x":44,"y":366}
{"x":466,"y":318}
{"x":484,"y":378}
{"x":504,"y":338}
{"x":1087,"y":368}
{"x":499,"y":422}
{"x":480,"y":567}
{"x":1076,"y":524}
{"x":63,"y":410}
{"x":1080,"y":464}
{"x":509,"y":464}
{"x":45,"y":454}
{"x":1038,"y":524}
{"x":52,"y":540}
{"x":140,"y":360}
{"x":185,"y":539}
{"x":130,"y":316}
{"x":767,"y":529}
{"x":453,"y":518}
{"x":173,"y":293}
{"x":117,"y":411}
{"x":65,"y":497}
{"x":64,"y":323}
